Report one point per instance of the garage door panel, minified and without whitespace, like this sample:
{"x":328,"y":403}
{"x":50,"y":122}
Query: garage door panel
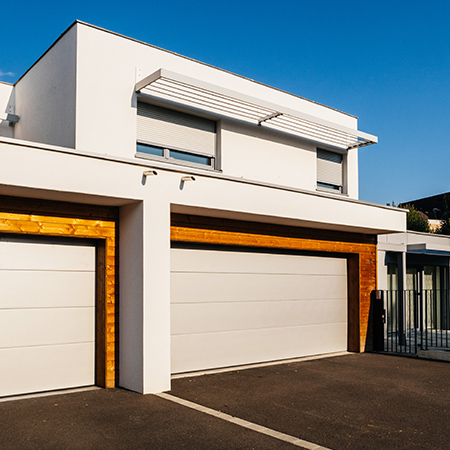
{"x":46,"y":368}
{"x":219,"y":317}
{"x":47,"y":315}
{"x":193,"y":260}
{"x":50,"y":289}
{"x":233,"y":287}
{"x":44,"y":256}
{"x":234,"y":348}
{"x":33,"y":327}
{"x":239,"y":307}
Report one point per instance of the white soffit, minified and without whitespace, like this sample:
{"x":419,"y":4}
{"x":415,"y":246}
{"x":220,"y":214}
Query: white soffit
{"x":189,"y":91}
{"x":426,"y":248}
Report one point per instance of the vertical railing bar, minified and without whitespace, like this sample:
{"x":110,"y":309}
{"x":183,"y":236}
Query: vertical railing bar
{"x":397,"y":327}
{"x":407,"y":326}
{"x":426,"y":321}
{"x":419,"y":320}
{"x":430,"y":301}
{"x":446,"y":316}
{"x":389,"y":327}
{"x":389,"y":324}
{"x":387,"y":321}
{"x":414,"y":326}
{"x":412,"y":322}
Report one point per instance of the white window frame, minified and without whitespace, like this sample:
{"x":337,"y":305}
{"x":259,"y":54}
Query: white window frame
{"x":166,"y":150}
{"x":169,"y":159}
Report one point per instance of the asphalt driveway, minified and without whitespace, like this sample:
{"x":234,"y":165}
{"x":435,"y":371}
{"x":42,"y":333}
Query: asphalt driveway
{"x":356,"y":401}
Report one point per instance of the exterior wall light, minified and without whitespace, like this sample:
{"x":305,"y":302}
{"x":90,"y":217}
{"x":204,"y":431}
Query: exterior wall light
{"x":12,"y":119}
{"x":150,"y":173}
{"x":187,"y":178}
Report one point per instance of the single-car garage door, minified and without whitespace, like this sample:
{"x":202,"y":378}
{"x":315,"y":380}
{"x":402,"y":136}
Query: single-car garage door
{"x":231,"y":307}
{"x":47,"y":315}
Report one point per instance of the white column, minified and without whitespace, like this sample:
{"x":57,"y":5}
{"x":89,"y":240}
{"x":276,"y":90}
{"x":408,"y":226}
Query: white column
{"x":131,"y":297}
{"x":144,"y":308}
{"x":156,"y":312}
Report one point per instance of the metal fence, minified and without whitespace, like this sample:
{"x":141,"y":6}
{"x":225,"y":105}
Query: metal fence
{"x":410,"y":320}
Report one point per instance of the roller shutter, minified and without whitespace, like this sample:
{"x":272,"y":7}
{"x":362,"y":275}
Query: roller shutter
{"x":329,"y":168}
{"x":175,"y":130}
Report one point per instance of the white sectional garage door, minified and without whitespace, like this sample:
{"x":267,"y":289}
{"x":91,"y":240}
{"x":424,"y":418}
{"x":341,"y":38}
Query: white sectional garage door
{"x":47,"y":311}
{"x":239,"y":307}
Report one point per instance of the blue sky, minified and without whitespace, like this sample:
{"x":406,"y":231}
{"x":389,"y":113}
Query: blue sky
{"x":387,"y":62}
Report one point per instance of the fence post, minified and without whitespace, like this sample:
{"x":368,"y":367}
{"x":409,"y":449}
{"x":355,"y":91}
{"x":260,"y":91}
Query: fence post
{"x":379,"y":319}
{"x":402,"y":318}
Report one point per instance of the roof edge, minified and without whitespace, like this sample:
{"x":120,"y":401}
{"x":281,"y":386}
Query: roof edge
{"x":213,"y":67}
{"x":181,"y":56}
{"x":48,"y":49}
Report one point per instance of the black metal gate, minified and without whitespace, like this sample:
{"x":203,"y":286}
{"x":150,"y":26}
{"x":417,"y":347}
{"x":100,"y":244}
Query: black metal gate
{"x":411,"y":320}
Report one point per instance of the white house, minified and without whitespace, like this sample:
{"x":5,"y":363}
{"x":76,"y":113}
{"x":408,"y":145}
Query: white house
{"x":159,"y":215}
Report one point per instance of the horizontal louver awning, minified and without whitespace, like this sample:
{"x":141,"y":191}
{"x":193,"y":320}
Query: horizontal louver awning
{"x":329,"y":168}
{"x":187,"y":91}
{"x":175,"y":130}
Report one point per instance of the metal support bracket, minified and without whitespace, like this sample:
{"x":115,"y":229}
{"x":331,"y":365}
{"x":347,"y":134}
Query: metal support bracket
{"x":270,"y":116}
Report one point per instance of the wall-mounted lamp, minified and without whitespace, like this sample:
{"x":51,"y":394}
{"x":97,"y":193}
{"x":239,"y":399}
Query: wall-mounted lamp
{"x":150,"y":173}
{"x":12,"y":119}
{"x":187,"y":178}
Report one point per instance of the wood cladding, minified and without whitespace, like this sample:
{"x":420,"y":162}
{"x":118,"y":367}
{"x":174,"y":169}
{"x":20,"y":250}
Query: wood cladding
{"x":105,"y":234}
{"x":360,"y":250}
{"x":60,"y":209}
{"x":213,"y":223}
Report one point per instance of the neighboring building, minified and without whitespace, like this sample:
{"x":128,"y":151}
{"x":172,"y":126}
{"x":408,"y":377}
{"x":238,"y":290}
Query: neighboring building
{"x":415,"y":260}
{"x":159,"y":215}
{"x":433,"y":207}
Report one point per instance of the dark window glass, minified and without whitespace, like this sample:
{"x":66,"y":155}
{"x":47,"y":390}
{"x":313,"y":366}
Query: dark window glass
{"x":150,"y":150}
{"x":183,"y":156}
{"x":329,"y":186}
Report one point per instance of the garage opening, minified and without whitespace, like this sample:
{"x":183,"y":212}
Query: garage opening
{"x":233,"y":306}
{"x":47,"y":313}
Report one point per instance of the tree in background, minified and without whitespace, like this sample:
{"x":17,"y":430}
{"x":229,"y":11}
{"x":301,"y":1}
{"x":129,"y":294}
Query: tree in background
{"x":416,"y":220}
{"x":445,"y":226}
{"x":445,"y":221}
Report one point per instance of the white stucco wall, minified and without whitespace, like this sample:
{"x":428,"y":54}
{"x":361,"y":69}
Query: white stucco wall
{"x":352,"y":172}
{"x":264,"y":155}
{"x":106,"y":112}
{"x":144,"y":230}
{"x":45,"y":96}
{"x":82,"y":96}
{"x":6,"y":101}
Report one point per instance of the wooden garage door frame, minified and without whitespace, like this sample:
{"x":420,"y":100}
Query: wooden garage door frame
{"x":360,"y":251}
{"x":103,"y":233}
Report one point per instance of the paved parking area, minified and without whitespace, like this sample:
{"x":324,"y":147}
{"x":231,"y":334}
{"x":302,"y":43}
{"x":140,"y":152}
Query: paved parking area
{"x":356,"y":401}
{"x":119,"y":419}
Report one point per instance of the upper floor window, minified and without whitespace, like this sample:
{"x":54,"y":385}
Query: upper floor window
{"x":169,"y":135}
{"x":329,"y":170}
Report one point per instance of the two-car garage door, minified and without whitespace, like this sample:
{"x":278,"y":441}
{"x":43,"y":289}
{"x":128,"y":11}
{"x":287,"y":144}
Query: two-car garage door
{"x":231,"y":307}
{"x":47,"y":315}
